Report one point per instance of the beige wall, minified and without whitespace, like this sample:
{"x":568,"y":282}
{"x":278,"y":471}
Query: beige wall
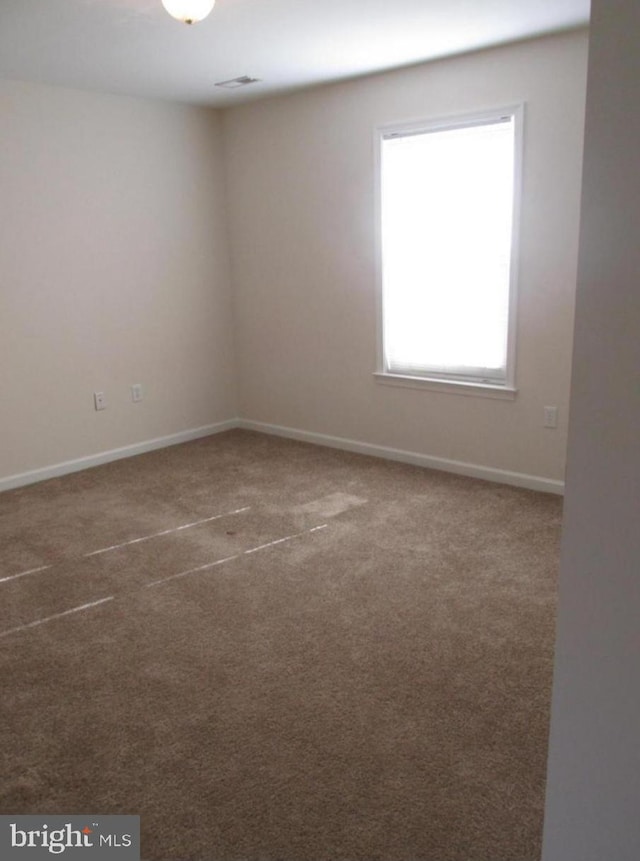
{"x":301,"y":202}
{"x":113,"y":271}
{"x":593,"y":790}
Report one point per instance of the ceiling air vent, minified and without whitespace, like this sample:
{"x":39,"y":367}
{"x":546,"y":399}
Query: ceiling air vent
{"x":234,"y":83}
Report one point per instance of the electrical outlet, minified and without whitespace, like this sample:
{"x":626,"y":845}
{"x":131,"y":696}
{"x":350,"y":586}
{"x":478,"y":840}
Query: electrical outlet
{"x":136,"y":393}
{"x":551,"y":417}
{"x":99,"y":400}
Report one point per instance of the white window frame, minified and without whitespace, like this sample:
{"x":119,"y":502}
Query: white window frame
{"x":447,"y":382}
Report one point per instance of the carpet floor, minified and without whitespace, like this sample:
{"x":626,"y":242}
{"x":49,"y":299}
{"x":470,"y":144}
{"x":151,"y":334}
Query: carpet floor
{"x":273,"y":651}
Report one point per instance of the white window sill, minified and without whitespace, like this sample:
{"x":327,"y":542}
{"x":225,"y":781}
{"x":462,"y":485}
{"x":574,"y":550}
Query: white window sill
{"x":451,"y":387}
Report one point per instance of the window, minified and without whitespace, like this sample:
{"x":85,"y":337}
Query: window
{"x":448,"y":207}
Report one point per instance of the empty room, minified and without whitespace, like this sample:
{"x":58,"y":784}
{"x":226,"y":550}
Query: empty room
{"x":319,"y":449}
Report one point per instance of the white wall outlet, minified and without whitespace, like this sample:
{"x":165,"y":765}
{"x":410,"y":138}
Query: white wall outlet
{"x":551,"y":417}
{"x":99,"y":400}
{"x":136,"y":392}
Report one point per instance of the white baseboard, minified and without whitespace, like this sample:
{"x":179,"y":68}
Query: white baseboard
{"x":502,"y":476}
{"x":81,"y":463}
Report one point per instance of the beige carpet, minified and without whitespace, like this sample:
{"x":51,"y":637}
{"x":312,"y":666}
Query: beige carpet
{"x":374,"y":686}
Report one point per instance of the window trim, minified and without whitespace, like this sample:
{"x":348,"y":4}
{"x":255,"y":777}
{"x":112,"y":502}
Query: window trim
{"x":447,"y":382}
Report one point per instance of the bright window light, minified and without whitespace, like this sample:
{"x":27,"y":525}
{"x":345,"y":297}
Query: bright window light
{"x":447,"y":210}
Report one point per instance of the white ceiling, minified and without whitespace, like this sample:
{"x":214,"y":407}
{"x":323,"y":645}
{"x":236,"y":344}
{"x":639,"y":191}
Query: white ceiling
{"x":134,"y":47}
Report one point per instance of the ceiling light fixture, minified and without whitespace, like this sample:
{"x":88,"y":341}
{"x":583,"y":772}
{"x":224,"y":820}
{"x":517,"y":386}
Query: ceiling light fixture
{"x":188,"y":11}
